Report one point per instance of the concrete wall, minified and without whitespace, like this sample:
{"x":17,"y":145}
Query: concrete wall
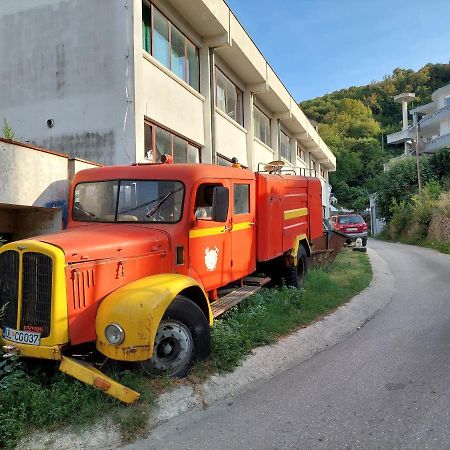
{"x":67,"y":61}
{"x":31,"y":177}
{"x":170,"y":101}
{"x":34,"y":190}
{"x":231,"y":138}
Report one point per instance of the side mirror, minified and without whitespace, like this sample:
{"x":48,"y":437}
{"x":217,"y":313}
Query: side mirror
{"x":221,"y":198}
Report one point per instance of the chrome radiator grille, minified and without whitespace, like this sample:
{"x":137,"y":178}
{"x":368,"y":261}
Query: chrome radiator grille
{"x":33,"y":301}
{"x":9,"y":288}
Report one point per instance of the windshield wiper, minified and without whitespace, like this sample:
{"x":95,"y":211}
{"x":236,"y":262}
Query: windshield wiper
{"x":158,"y":205}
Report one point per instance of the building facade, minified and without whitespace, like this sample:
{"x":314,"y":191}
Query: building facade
{"x":432,"y":124}
{"x":126,"y":81}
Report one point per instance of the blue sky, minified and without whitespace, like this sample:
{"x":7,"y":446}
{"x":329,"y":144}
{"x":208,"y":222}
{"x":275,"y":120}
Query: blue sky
{"x":319,"y":46}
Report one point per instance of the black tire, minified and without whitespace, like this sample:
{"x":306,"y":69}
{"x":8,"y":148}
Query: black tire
{"x":183,"y":337}
{"x":364,"y":241}
{"x":295,"y":275}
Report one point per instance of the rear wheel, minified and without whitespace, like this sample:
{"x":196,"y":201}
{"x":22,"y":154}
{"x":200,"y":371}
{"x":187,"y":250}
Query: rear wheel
{"x":296,"y":275}
{"x":183,"y":337}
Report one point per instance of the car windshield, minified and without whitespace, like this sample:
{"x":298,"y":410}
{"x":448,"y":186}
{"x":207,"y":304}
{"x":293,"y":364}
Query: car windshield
{"x":128,"y":201}
{"x":350,"y":219}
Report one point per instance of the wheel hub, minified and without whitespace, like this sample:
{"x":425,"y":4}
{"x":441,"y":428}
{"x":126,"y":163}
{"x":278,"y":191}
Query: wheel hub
{"x":172,"y":349}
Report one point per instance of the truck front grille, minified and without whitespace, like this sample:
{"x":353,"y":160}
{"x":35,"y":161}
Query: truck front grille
{"x":9,"y":288}
{"x":33,"y":302}
{"x":36,"y":292}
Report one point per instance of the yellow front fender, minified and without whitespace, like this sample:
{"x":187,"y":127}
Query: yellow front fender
{"x":138,"y":308}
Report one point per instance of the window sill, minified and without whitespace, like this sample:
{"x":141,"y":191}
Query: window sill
{"x":286,"y":161}
{"x":232,"y":121}
{"x":170,"y":74}
{"x":270,"y":149}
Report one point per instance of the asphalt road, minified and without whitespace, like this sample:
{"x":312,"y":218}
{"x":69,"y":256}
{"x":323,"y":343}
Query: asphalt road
{"x":386,"y":386}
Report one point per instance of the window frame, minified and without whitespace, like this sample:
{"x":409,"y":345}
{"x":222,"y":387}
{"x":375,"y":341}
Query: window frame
{"x":289,"y":158}
{"x":186,"y":72}
{"x":189,"y":143}
{"x":238,"y":91}
{"x":236,"y":185}
{"x":301,"y":152}
{"x":268,"y":131}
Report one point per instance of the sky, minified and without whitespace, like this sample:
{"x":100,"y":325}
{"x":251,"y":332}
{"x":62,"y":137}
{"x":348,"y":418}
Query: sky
{"x":319,"y":46}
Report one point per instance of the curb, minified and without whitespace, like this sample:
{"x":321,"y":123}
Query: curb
{"x":263,"y":363}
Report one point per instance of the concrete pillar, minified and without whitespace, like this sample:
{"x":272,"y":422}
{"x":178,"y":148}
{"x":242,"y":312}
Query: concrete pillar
{"x":205,"y":90}
{"x":405,"y":114}
{"x":134,"y":144}
{"x":274,"y":135}
{"x":293,"y":143}
{"x":248,"y":124}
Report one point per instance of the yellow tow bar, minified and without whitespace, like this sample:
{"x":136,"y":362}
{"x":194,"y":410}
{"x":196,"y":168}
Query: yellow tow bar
{"x":89,"y":375}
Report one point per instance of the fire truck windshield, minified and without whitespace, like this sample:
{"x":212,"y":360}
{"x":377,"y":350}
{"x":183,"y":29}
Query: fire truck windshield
{"x":128,"y":201}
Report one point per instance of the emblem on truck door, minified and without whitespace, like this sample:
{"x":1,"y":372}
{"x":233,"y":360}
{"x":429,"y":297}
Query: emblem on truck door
{"x":211,"y":257}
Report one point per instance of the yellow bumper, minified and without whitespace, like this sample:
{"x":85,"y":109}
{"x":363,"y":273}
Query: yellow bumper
{"x":89,"y":375}
{"x":33,"y":351}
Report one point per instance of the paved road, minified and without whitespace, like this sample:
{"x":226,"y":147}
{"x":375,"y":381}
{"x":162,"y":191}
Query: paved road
{"x":386,"y":386}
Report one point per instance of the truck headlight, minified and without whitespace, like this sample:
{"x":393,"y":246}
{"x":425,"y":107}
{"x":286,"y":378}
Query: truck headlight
{"x":114,"y":334}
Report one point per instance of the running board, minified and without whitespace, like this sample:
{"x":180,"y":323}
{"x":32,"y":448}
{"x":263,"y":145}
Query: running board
{"x":254,"y":284}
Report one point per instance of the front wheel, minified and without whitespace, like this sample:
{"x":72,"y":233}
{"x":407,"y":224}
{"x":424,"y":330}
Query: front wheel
{"x":183,"y":337}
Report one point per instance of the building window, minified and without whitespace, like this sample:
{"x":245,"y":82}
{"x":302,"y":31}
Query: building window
{"x":229,"y":98}
{"x":261,"y":126}
{"x":285,"y":146}
{"x":170,"y":46}
{"x":447,"y":101}
{"x":322,"y":173}
{"x":158,"y":142}
{"x":301,"y":153}
{"x":312,"y":166}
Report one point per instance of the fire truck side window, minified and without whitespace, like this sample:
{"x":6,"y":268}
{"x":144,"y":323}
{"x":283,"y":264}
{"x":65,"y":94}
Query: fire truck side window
{"x":241,"y":198}
{"x":204,"y":200}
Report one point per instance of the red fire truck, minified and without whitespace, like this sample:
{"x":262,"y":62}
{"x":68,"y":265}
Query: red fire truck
{"x":139,"y":271}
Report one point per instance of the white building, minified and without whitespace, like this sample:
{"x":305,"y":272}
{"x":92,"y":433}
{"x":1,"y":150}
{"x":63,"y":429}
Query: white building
{"x":128,"y":80}
{"x":433,"y":123}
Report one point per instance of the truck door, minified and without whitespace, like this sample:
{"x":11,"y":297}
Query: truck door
{"x":209,"y":241}
{"x":243,"y":232}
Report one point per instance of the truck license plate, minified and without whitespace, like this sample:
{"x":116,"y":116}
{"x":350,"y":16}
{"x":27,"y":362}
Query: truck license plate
{"x":22,"y":337}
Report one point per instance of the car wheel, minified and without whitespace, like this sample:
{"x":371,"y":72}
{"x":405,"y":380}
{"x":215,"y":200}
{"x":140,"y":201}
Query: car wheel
{"x":364,"y":241}
{"x":183,"y":337}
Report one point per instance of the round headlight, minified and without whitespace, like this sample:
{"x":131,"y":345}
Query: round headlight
{"x":114,"y":334}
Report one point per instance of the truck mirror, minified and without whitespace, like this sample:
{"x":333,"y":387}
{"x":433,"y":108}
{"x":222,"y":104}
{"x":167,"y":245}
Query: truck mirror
{"x":221,"y":197}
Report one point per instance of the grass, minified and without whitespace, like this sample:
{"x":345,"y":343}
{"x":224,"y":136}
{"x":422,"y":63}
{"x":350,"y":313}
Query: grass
{"x":440,"y":246}
{"x":40,"y":399}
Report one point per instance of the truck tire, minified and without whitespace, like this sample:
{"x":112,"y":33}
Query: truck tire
{"x":295,"y":275}
{"x":183,"y":337}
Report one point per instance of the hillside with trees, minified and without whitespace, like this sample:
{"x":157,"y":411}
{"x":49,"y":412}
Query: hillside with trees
{"x":354,"y":123}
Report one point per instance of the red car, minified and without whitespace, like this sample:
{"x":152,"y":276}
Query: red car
{"x":353,"y":225}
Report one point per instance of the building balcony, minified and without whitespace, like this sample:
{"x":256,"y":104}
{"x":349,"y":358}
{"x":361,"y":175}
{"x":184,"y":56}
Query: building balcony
{"x":400,"y":136}
{"x":433,"y":120}
{"x":437,"y":143}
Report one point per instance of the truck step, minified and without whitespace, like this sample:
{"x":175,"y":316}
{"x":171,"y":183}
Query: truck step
{"x":226,"y":302}
{"x":256,"y":281}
